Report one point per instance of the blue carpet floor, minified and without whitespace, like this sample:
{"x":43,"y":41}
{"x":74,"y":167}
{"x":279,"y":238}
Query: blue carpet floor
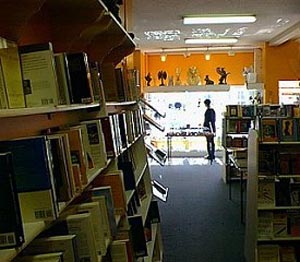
{"x":199,"y":222}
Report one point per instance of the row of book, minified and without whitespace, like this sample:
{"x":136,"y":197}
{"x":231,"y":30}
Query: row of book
{"x":278,"y":224}
{"x":236,"y":141}
{"x":279,"y":129}
{"x":273,"y":162}
{"x":262,"y":110}
{"x":34,"y":76}
{"x":241,"y":126}
{"x":44,"y":172}
{"x":284,"y":192}
{"x":278,"y":253}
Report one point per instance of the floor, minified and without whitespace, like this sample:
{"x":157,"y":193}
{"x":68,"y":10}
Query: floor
{"x":199,"y":222}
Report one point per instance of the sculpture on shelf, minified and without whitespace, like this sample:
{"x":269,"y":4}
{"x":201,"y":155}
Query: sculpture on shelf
{"x":171,"y":81}
{"x":162,"y":75}
{"x":177,"y":73}
{"x":193,"y":77}
{"x":148,"y":79}
{"x":208,"y":81}
{"x":223,"y":75}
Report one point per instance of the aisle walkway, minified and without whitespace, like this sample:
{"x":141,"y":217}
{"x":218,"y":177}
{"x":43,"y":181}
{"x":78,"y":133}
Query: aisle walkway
{"x":199,"y":223}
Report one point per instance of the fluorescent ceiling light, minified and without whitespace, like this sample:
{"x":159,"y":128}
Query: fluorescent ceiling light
{"x":222,"y":19}
{"x":208,"y":41}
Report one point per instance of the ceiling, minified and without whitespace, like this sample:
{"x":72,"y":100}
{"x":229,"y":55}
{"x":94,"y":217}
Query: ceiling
{"x":157,"y":24}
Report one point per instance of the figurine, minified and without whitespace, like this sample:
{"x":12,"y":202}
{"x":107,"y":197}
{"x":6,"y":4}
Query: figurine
{"x":208,"y":81}
{"x":148,"y":79}
{"x":223,"y":79}
{"x":162,"y":75}
{"x":177,"y":73}
{"x":193,"y":76}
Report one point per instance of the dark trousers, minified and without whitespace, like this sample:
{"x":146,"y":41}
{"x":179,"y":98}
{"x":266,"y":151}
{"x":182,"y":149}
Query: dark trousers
{"x":210,"y":146}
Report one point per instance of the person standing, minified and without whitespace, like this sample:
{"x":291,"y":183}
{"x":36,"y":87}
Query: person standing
{"x":210,"y":123}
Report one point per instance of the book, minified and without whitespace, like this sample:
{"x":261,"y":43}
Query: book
{"x":123,"y":130}
{"x":284,"y":163}
{"x":101,"y":200}
{"x":265,"y":224}
{"x":94,"y":209}
{"x":269,"y":132}
{"x":294,"y":223}
{"x":287,"y":254}
{"x":113,"y":83}
{"x":62,"y":178}
{"x":107,"y":193}
{"x":78,"y":155}
{"x":295,"y":193}
{"x":268,"y":253}
{"x":80,"y":78}
{"x":47,"y":257}
{"x":128,"y":174}
{"x":34,"y":177}
{"x":39,"y":75}
{"x":114,"y":179}
{"x":137,"y":235}
{"x":267,"y":162}
{"x":60,"y":243}
{"x":93,"y":128}
{"x":11,"y":82}
{"x":282,"y":192}
{"x":266,"y":193}
{"x":118,"y":251}
{"x":64,"y":79}
{"x":81,"y":226}
{"x":11,"y":227}
{"x":280,"y":224}
{"x":109,"y":137}
{"x":287,"y":127}
{"x":233,"y":110}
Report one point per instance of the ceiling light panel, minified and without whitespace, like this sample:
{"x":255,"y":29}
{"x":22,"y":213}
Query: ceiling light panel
{"x":208,"y":41}
{"x":222,"y":19}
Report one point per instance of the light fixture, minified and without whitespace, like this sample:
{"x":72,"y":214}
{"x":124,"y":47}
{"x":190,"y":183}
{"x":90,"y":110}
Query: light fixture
{"x":163,"y":56}
{"x":207,"y":55}
{"x":231,"y":52}
{"x":218,"y":19}
{"x":208,"y":41}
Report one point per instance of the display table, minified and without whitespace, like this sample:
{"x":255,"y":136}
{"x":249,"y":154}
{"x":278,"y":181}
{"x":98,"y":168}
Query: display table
{"x":185,"y":133}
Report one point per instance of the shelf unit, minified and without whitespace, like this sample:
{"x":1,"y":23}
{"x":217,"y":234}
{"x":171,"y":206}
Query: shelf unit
{"x":198,"y":88}
{"x":272,"y":207}
{"x":75,"y":26}
{"x":234,"y":141}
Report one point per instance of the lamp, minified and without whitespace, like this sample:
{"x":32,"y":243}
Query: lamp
{"x":163,"y":56}
{"x":207,"y":55}
{"x":208,"y":41}
{"x":218,"y":19}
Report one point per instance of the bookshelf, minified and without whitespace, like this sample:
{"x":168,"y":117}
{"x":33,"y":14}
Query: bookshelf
{"x":72,"y":27}
{"x":272,"y":196}
{"x":235,"y":126}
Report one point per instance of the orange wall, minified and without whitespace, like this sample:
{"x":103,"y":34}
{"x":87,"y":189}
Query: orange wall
{"x":232,"y":64}
{"x":280,"y":63}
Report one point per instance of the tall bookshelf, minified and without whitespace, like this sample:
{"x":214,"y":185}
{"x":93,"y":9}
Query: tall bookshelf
{"x":272,"y":193}
{"x":80,"y":26}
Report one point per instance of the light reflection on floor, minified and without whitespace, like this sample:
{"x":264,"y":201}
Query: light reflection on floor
{"x":189,"y":161}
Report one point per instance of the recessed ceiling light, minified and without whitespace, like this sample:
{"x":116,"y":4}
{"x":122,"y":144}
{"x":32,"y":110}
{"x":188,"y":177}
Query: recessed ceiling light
{"x":219,"y":19}
{"x":207,"y":41}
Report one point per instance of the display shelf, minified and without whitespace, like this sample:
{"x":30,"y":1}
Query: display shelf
{"x":118,"y":107}
{"x":151,"y":244}
{"x":187,"y":88}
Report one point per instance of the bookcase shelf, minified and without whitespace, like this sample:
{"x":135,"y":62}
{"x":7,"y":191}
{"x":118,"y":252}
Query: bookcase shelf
{"x":9,"y":113}
{"x":272,"y":210}
{"x":88,"y":27}
{"x":198,"y":88}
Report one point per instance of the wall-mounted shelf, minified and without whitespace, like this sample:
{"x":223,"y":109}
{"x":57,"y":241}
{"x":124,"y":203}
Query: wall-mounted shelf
{"x":198,"y":88}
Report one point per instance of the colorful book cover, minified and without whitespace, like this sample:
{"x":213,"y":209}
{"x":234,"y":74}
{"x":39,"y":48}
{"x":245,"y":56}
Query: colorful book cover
{"x":269,"y":131}
{"x":287,"y":128}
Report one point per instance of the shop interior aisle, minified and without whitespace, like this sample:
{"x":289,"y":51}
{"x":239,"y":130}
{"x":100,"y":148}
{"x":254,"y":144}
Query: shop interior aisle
{"x":199,"y":222}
